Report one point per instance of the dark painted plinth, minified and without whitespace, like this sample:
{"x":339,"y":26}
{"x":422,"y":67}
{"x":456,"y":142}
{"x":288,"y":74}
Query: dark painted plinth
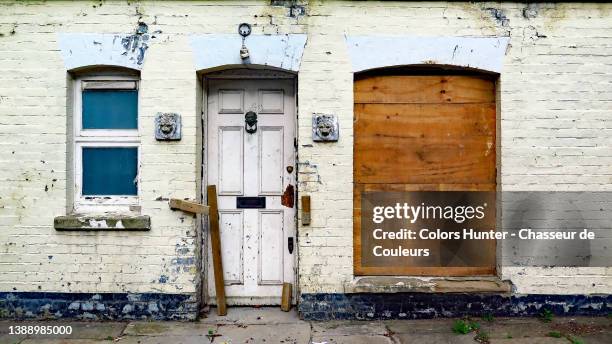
{"x":103,"y":306}
{"x":426,"y":306}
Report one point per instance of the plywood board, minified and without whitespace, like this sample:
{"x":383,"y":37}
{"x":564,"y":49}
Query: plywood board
{"x":423,"y":133}
{"x":424,"y":89}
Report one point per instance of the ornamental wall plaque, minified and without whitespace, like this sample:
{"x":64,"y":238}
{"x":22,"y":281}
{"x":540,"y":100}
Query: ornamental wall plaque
{"x":167,"y":126}
{"x":325,"y":128}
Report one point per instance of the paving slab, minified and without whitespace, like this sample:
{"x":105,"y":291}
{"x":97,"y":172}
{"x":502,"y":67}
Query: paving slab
{"x":341,"y":332}
{"x":352,"y":339}
{"x":600,"y":338}
{"x":80,"y":329}
{"x":600,"y":321}
{"x":420,"y":326}
{"x":347,"y":328}
{"x":11,"y":339}
{"x":434,"y":338}
{"x":252,"y":316}
{"x":502,"y":329}
{"x":269,"y":325}
{"x":530,"y":340}
{"x":286,"y":334}
{"x":167,"y":328}
{"x":64,"y":341}
{"x":163,"y":340}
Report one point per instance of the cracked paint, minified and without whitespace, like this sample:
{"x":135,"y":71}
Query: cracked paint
{"x":371,"y":52}
{"x":281,"y":51}
{"x":88,"y":49}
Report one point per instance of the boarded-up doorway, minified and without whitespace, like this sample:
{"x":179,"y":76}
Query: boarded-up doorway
{"x":252,"y":166}
{"x":423,"y":133}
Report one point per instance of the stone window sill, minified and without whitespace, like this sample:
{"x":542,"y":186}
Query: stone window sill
{"x":401,"y":284}
{"x":78,"y":222}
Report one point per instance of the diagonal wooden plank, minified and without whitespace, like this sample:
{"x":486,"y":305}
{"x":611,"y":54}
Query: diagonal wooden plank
{"x":215,"y":242}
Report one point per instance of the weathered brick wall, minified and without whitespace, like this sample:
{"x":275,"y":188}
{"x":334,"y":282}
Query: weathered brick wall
{"x":33,"y":139}
{"x":554,"y":106}
{"x":555,"y":97}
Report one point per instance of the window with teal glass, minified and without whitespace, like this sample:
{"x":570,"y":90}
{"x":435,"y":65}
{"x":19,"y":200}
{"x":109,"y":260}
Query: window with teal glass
{"x":110,"y":171}
{"x":106,"y":142}
{"x":109,"y":109}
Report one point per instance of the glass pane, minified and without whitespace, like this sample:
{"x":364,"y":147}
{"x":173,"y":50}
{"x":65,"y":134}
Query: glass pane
{"x":110,"y":109}
{"x":110,"y":171}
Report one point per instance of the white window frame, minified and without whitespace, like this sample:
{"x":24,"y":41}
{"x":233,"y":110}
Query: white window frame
{"x":102,"y":138}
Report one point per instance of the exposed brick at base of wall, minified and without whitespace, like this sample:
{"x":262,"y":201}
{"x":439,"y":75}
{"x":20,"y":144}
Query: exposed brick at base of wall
{"x":425,"y":306}
{"x":104,"y":306}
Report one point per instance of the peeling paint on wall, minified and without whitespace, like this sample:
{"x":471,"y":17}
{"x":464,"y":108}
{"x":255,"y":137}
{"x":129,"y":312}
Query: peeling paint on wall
{"x":499,"y":16}
{"x":296,"y":8}
{"x":370,"y":52}
{"x":280,"y":51}
{"x":90,"y":49}
{"x":376,"y":306}
{"x":104,"y":306}
{"x":8,"y":29}
{"x":310,"y":179}
{"x":530,"y":11}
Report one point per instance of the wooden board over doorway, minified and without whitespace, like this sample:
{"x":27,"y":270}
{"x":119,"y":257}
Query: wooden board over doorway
{"x":422,"y":133}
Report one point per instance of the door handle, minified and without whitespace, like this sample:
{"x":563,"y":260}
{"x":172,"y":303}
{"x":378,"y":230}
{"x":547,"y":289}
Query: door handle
{"x":290,"y":244}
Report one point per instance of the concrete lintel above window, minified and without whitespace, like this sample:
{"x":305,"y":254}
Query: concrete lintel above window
{"x":102,"y":223}
{"x":280,"y":51}
{"x":401,"y":284}
{"x":371,"y":52}
{"x":90,"y":49}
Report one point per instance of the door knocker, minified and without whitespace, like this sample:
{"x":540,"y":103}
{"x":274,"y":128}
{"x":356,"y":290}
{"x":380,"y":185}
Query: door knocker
{"x":250,"y":122}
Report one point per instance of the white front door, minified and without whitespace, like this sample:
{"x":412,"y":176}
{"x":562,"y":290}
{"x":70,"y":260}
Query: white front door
{"x":250,"y":169}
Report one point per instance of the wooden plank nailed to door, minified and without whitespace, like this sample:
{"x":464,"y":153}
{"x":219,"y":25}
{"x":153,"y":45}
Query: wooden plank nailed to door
{"x":215,"y":242}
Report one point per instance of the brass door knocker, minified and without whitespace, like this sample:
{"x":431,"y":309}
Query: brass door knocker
{"x":250,"y":122}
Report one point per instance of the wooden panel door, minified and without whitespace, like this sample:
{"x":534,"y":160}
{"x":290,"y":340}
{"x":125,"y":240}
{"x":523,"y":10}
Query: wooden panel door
{"x":254,"y":242}
{"x":423,"y":133}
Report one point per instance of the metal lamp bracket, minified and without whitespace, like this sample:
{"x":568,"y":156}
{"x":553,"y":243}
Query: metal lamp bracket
{"x":244,"y":30}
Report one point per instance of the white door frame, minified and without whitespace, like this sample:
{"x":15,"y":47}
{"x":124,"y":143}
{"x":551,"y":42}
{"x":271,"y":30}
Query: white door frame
{"x":240,"y":73}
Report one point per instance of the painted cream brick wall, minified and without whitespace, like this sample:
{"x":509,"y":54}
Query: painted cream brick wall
{"x":555,"y":105}
{"x":556,"y":102}
{"x":33,"y":127}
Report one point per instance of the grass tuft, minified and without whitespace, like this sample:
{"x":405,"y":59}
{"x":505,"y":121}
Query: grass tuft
{"x":465,"y":327}
{"x":547,"y":315}
{"x":575,"y":340}
{"x":461,"y":327}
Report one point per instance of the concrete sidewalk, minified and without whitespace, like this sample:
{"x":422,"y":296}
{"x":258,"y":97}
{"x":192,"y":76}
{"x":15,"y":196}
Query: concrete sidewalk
{"x":270,"y":325}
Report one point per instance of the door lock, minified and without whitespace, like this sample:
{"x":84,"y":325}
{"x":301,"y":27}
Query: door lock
{"x":290,"y":244}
